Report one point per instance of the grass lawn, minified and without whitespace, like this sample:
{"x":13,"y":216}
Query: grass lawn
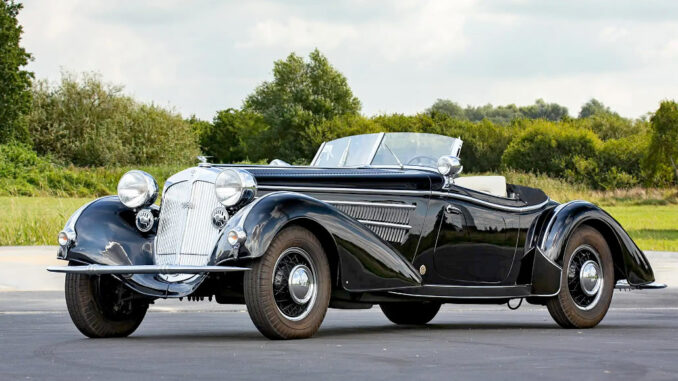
{"x":38,"y":220}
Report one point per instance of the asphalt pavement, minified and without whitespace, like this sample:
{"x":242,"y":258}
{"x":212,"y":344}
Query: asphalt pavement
{"x":201,"y":340}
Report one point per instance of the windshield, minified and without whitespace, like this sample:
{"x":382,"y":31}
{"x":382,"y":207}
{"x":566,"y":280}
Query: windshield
{"x":390,"y":149}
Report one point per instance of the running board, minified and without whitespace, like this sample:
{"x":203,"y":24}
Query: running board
{"x":143,"y":269}
{"x":624,"y":285}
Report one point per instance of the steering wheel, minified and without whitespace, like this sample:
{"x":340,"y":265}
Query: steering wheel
{"x":423,"y":159}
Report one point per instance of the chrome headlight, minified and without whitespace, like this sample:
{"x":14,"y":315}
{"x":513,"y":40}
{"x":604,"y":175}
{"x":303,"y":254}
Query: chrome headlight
{"x":235,"y":187}
{"x":137,"y":189}
{"x":449,"y":166}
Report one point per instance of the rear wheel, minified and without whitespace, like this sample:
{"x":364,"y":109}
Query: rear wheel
{"x":413,"y":313}
{"x":287,"y":291}
{"x":587,"y":281}
{"x":101,"y":306}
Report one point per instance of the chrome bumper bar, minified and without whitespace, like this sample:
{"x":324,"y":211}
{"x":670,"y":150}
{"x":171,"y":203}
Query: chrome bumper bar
{"x":624,"y":285}
{"x":145,"y":269}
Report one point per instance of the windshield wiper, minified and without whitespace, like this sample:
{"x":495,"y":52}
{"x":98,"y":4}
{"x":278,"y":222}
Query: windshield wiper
{"x":344,"y":155}
{"x":394,"y":156}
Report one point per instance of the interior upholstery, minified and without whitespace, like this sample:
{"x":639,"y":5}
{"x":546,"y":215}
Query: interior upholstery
{"x":494,"y":185}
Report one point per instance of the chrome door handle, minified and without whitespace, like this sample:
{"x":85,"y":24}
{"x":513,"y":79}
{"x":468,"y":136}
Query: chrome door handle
{"x":449,"y":208}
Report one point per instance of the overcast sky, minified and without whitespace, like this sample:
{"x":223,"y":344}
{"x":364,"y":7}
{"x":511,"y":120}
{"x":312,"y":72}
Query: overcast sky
{"x":398,"y":56}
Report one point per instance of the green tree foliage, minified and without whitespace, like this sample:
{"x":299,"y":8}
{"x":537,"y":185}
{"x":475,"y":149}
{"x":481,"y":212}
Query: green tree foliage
{"x":663,"y":147}
{"x":15,"y":83}
{"x":301,"y":95}
{"x":594,"y":107}
{"x":558,"y":150}
{"x":499,"y":114}
{"x":233,"y":136}
{"x":89,"y":123}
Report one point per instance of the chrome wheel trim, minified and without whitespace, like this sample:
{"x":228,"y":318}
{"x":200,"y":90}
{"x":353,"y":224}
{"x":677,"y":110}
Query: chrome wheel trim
{"x":294,"y":267}
{"x":589,"y":278}
{"x":585,"y":277}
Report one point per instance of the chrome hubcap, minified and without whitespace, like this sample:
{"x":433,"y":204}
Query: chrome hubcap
{"x":301,"y":284}
{"x":589,"y":278}
{"x":294,"y":284}
{"x":585,"y":277}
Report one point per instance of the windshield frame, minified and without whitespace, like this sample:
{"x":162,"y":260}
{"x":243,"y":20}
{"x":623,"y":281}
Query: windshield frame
{"x":378,"y":143}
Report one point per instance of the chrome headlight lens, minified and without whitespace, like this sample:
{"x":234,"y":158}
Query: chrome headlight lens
{"x":449,"y":166}
{"x":137,"y":189}
{"x":235,"y":187}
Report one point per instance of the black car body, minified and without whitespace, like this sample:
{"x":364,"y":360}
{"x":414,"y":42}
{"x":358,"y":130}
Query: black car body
{"x":402,"y":236}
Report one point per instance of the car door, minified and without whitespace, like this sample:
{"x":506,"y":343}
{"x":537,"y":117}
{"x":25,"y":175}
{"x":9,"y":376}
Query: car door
{"x":475,"y":244}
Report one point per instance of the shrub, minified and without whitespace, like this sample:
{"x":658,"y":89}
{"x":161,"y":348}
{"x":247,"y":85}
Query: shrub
{"x":558,"y":150}
{"x":88,"y":123}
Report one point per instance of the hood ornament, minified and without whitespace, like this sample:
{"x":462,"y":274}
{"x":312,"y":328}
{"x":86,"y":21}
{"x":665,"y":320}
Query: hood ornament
{"x":204,"y":161}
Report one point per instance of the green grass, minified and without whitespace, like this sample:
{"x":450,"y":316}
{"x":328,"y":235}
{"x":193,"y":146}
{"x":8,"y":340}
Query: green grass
{"x":38,"y":220}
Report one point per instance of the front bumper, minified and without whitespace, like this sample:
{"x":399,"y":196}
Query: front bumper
{"x":143,"y":269}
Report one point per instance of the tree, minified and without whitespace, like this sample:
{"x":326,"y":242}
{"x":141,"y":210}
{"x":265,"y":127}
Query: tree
{"x":15,"y":83}
{"x":447,"y":107}
{"x":232,"y":136}
{"x":664,"y":138}
{"x":542,"y":110}
{"x":302,"y":94}
{"x":594,"y":107}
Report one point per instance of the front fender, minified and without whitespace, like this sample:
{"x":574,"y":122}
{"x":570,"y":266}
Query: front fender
{"x":630,"y":261}
{"x":366,"y":262}
{"x":106,"y":234}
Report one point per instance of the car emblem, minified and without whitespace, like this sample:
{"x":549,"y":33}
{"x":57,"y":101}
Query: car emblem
{"x":145,"y":220}
{"x":187,"y":205}
{"x":219,"y":217}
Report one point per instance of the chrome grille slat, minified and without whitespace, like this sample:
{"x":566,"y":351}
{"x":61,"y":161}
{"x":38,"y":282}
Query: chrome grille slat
{"x":186,"y":235}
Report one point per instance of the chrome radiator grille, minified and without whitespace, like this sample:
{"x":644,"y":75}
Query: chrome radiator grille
{"x":186,"y":235}
{"x":389,"y":221}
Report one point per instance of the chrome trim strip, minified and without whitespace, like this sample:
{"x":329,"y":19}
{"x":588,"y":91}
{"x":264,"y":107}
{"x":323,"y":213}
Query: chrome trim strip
{"x":493,"y":205}
{"x":143,"y":269}
{"x":367,"y":203}
{"x":552,"y":220}
{"x":343,"y":190}
{"x":409,"y":192}
{"x":387,"y":224}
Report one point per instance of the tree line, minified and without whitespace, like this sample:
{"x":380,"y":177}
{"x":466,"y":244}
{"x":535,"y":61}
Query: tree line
{"x":84,"y":121}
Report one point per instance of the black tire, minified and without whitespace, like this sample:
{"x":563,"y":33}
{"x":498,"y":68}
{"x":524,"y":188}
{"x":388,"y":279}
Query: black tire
{"x":410,"y":313}
{"x":273,"y":271}
{"x":92,"y":302}
{"x":572,"y":307}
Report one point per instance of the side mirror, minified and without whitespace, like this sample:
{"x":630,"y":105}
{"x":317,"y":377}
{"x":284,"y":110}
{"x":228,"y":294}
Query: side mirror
{"x":449,"y":166}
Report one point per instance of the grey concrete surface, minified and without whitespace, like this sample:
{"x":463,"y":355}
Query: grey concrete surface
{"x":200,"y":340}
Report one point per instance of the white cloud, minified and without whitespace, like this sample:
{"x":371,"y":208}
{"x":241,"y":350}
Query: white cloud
{"x":398,"y":56}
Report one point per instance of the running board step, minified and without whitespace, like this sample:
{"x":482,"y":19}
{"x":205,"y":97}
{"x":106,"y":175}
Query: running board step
{"x":624,"y":285}
{"x":143,"y":269}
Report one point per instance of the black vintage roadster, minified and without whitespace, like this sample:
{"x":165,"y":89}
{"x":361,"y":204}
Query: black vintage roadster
{"x":375,"y":219}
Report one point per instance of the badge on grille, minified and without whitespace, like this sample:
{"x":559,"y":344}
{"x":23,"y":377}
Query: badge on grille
{"x":219,"y":217}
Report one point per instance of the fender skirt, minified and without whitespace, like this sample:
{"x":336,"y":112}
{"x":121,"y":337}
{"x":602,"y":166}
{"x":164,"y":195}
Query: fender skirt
{"x":559,"y":223}
{"x":365,"y":261}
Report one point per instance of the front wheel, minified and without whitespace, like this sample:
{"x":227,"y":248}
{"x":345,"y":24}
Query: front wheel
{"x":287,"y":291}
{"x":410,"y":313}
{"x":587,"y":281}
{"x":101,"y":306}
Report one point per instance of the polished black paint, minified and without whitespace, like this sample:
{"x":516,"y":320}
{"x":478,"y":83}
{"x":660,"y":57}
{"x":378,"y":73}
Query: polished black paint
{"x":366,"y":262}
{"x":630,"y":262}
{"x":459,"y":243}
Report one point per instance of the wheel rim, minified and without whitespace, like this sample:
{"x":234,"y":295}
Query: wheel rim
{"x":294,"y":283}
{"x":585,"y":277}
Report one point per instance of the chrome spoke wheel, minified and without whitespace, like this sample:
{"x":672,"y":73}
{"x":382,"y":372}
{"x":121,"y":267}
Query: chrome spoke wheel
{"x":585,"y":277}
{"x":294,"y":283}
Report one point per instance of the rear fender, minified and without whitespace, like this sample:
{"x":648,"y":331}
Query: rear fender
{"x":365,"y":261}
{"x":630,"y":262}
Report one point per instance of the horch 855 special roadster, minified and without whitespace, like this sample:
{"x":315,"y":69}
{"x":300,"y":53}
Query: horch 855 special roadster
{"x":377,"y":219}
